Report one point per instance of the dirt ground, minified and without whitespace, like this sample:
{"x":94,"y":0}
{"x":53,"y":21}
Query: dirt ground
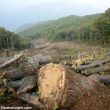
{"x":70,"y":49}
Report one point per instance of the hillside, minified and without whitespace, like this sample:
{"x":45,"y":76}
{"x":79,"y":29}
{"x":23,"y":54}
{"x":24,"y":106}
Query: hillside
{"x":54,"y":27}
{"x":92,"y":29}
{"x":24,"y":27}
{"x":42,"y":12}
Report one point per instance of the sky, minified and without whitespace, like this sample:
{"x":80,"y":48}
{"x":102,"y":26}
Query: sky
{"x":11,"y":10}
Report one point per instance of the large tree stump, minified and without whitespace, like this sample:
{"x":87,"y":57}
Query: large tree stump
{"x":64,"y":89}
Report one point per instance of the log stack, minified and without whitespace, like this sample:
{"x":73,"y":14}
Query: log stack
{"x":58,"y":87}
{"x":93,"y":67}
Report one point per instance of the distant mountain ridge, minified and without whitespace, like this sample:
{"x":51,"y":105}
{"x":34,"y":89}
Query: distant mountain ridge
{"x":44,"y":12}
{"x":24,"y":27}
{"x":64,"y":23}
{"x":92,"y":29}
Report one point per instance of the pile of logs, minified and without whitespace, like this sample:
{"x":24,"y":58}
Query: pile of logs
{"x":51,"y":86}
{"x":89,"y":68}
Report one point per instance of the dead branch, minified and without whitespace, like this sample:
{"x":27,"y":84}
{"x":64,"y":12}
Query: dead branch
{"x":12,"y":60}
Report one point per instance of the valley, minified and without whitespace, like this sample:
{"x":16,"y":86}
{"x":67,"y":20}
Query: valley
{"x":61,"y":64}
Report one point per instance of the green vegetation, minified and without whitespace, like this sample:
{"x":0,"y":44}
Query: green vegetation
{"x":9,"y":40}
{"x":66,"y":28}
{"x":24,"y":27}
{"x":102,"y":28}
{"x":93,"y":29}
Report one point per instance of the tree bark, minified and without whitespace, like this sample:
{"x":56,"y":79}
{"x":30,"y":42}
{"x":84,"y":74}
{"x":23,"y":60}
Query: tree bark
{"x":64,"y":89}
{"x":9,"y":62}
{"x":15,"y":73}
{"x":94,"y":64}
{"x":39,"y":59}
{"x":103,"y":68}
{"x":105,"y":79}
{"x":23,"y":85}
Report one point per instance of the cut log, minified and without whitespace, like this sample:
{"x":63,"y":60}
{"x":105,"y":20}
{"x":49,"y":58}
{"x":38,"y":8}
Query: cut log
{"x":94,"y":64}
{"x":45,"y":59}
{"x":28,"y":69}
{"x":14,"y":73}
{"x":23,"y":85}
{"x":103,"y":68}
{"x":12,"y":60}
{"x":60,"y":88}
{"x":39,"y":59}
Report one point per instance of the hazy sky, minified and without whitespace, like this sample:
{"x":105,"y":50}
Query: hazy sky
{"x":14,"y":5}
{"x":9,"y":8}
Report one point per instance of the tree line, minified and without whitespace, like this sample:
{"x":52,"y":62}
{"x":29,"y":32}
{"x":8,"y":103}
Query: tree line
{"x":97,"y":32}
{"x":10,"y":40}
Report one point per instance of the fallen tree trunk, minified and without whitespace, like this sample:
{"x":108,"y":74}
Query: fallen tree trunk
{"x":14,"y":73}
{"x":60,"y":88}
{"x":23,"y":85}
{"x":102,"y":68}
{"x":94,"y":64}
{"x":12,"y":60}
{"x":39,"y":59}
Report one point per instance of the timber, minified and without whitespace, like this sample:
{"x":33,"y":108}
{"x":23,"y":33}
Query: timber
{"x":63,"y":88}
{"x":12,"y":60}
{"x":59,"y":87}
{"x":94,"y":64}
{"x":23,"y":85}
{"x":14,"y":73}
{"x":39,"y":59}
{"x":102,"y":68}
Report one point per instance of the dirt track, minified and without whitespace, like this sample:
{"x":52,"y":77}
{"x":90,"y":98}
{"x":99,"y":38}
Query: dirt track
{"x":70,"y":49}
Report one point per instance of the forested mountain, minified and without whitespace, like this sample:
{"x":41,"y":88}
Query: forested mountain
{"x":90,"y":28}
{"x":10,"y":40}
{"x":102,"y":27}
{"x":24,"y":27}
{"x":41,"y":12}
{"x":55,"y":28}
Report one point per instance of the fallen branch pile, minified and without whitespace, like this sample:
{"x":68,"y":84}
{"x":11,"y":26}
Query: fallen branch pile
{"x":49,"y":86}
